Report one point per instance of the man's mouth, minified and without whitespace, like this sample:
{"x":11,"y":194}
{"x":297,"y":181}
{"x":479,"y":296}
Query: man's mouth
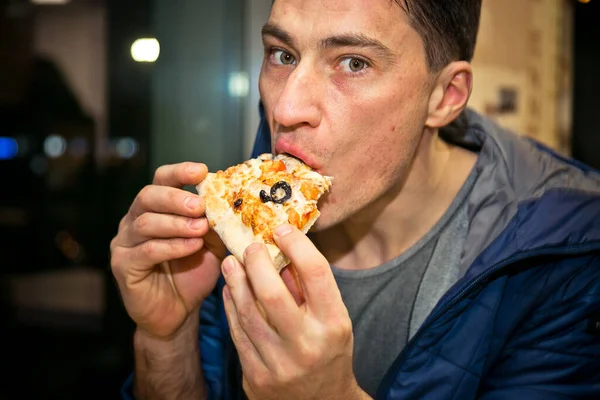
{"x":284,"y":147}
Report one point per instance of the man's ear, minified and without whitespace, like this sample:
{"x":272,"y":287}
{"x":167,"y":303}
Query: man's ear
{"x":450,"y":94}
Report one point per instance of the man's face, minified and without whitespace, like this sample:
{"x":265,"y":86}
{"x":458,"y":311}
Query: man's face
{"x":345,"y":87}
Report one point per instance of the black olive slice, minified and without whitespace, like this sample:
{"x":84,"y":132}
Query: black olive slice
{"x":264,"y":197}
{"x":238,"y":203}
{"x":276,"y":192}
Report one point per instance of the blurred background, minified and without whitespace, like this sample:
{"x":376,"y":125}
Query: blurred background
{"x":95,"y":94}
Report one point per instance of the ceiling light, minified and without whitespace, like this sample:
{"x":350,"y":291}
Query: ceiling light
{"x":145,"y":50}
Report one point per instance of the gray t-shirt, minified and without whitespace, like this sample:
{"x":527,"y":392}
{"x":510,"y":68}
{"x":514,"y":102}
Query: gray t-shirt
{"x":387,"y":304}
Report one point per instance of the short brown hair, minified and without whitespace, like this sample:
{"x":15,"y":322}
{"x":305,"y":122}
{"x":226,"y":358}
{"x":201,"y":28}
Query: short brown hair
{"x":448,"y":28}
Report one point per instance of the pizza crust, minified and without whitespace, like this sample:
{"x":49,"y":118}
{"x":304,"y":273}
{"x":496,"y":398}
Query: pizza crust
{"x":217,"y":192}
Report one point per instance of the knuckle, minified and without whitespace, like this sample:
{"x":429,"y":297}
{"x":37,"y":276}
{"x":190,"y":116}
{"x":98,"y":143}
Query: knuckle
{"x":144,"y":192}
{"x":175,"y":245}
{"x":177,"y":248}
{"x":160,"y":172}
{"x":180,"y":224}
{"x":284,"y":375}
{"x":113,"y":245}
{"x":246,"y":385}
{"x":116,"y":259}
{"x":150,"y":248}
{"x":272,"y":301}
{"x":174,"y":197}
{"x":309,"y":354}
{"x":123,"y":222}
{"x":318,"y":271}
{"x":340,"y":330}
{"x":144,"y":196}
{"x":261,"y":380}
{"x":247,"y":316}
{"x":243,"y":343}
{"x":140,"y":224}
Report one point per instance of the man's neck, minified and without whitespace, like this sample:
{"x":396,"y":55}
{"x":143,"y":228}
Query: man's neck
{"x":387,"y":228}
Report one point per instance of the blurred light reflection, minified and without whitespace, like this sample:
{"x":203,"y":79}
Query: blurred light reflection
{"x":55,"y":146}
{"x":9,"y":148}
{"x":145,"y":50}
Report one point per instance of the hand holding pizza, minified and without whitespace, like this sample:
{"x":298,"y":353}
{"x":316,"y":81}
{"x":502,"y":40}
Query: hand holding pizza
{"x":290,"y":350}
{"x":164,"y":258}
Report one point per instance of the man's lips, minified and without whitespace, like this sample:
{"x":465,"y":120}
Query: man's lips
{"x":282,"y":146}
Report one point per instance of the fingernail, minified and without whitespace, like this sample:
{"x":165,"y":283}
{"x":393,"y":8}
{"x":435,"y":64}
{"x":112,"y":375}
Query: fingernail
{"x":283,"y":230}
{"x":228,"y":266}
{"x":194,"y":169}
{"x":192,"y":202}
{"x":197,"y":223}
{"x":251,"y":249}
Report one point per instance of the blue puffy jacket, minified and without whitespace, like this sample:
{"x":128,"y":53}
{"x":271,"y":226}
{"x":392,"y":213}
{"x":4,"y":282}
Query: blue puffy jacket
{"x":523,"y":321}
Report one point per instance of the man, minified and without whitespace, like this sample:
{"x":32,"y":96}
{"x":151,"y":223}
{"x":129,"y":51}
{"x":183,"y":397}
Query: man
{"x":453,"y":263}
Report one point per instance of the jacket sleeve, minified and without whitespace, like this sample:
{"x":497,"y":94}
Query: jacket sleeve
{"x":212,"y":338}
{"x":555,"y":352}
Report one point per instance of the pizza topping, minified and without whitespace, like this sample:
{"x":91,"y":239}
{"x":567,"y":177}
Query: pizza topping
{"x":259,"y":218}
{"x":272,"y":166}
{"x":245,"y":203}
{"x":293,"y":217}
{"x":264,"y":197}
{"x":281,"y":192}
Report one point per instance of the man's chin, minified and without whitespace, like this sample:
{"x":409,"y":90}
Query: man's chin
{"x":316,"y":228}
{"x":325,"y":221}
{"x":332,"y":212}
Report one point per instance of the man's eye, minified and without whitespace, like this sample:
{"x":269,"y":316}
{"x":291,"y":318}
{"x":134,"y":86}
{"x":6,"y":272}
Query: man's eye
{"x":354,"y":64}
{"x":282,"y":57}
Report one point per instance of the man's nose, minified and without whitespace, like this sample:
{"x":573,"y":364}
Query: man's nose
{"x":298,"y":103}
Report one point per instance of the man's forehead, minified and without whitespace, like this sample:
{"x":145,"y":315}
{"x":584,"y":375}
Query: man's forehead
{"x":371,"y":17}
{"x":336,"y":5}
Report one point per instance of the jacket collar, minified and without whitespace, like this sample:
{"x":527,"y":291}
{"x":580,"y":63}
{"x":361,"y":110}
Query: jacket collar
{"x":526,"y":196}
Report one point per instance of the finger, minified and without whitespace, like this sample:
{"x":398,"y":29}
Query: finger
{"x":166,"y":200}
{"x":137,"y":262}
{"x":162,"y":226}
{"x":270,"y":290}
{"x":320,"y":289}
{"x":178,"y":175}
{"x":248,"y":316}
{"x":290,"y":277}
{"x":249,"y":356}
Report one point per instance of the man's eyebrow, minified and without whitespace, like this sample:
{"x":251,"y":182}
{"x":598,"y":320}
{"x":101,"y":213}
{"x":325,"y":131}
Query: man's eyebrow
{"x":343,"y":40}
{"x":357,"y":40}
{"x":270,"y":29}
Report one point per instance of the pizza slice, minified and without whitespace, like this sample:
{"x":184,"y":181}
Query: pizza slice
{"x":247,"y":202}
